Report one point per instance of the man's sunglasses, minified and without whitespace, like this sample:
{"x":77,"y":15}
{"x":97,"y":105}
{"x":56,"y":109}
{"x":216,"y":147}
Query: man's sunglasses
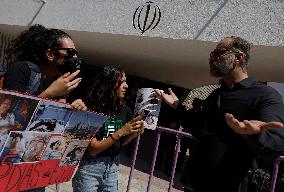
{"x":220,"y":52}
{"x":71,"y":52}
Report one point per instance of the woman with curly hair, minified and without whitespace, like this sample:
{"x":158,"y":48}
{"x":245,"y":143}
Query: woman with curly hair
{"x":99,"y":168}
{"x":43,"y":51}
{"x":36,"y":59}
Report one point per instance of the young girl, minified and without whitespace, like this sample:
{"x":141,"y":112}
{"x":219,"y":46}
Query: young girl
{"x":99,"y":168}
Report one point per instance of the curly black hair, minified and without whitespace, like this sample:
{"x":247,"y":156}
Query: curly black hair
{"x":32,"y":44}
{"x":102,"y":97}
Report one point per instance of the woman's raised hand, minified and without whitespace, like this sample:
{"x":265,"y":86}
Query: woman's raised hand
{"x":62,"y":86}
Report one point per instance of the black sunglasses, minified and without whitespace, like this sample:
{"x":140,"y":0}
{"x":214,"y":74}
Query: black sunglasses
{"x":71,"y":52}
{"x":219,"y":52}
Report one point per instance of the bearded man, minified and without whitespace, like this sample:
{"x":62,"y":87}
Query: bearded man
{"x":242,"y":123}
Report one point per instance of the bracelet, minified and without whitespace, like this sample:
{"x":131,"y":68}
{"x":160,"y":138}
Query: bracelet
{"x":113,"y":138}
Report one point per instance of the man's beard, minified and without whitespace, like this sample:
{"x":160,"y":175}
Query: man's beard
{"x":221,"y":68}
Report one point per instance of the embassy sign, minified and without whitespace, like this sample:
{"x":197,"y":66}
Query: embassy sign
{"x":152,"y":16}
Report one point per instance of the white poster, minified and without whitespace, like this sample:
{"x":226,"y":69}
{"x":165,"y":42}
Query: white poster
{"x":148,"y":104}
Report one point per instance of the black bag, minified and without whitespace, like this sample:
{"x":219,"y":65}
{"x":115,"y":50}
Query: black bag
{"x":258,"y":180}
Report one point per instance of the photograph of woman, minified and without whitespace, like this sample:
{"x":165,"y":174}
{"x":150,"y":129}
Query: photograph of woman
{"x":7,"y":117}
{"x":99,"y":167}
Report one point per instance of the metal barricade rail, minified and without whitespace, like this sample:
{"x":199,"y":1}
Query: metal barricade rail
{"x":275,"y":172}
{"x":159,"y":130}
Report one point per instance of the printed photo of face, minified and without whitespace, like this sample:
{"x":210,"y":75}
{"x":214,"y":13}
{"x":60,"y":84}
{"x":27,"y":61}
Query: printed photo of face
{"x":34,"y":147}
{"x":13,"y":147}
{"x":5,"y":106}
{"x":7,"y":117}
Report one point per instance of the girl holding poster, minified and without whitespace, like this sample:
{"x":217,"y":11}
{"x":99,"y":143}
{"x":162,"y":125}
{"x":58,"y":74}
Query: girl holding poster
{"x":98,"y":170}
{"x":37,"y":58}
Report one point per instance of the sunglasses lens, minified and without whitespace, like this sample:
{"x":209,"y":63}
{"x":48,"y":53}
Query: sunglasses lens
{"x":72,"y":52}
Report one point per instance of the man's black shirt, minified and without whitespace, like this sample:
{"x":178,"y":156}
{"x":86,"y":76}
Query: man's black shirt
{"x":222,"y":158}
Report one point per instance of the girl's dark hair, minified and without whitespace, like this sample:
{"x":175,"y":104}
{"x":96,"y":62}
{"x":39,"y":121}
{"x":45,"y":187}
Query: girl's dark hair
{"x":102,"y":97}
{"x":32,"y":44}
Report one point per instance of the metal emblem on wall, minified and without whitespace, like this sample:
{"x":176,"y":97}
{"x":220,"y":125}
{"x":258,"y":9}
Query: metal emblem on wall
{"x":150,"y":10}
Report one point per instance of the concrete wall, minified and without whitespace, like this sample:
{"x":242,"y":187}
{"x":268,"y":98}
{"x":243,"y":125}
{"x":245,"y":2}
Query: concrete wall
{"x":259,"y":21}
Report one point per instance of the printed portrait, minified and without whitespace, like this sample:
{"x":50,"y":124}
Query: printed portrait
{"x":13,"y":147}
{"x":34,"y":145}
{"x":15,"y":112}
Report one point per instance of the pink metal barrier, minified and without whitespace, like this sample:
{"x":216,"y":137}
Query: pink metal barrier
{"x":179,"y":135}
{"x":275,"y":172}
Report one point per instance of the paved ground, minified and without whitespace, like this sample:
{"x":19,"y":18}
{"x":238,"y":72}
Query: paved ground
{"x":139,"y":181}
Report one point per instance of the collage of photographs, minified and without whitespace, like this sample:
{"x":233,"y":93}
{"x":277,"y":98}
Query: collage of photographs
{"x":34,"y":129}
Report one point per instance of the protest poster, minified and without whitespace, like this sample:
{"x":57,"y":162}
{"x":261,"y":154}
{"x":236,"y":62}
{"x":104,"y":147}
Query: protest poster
{"x":41,"y":141}
{"x":148,"y":104}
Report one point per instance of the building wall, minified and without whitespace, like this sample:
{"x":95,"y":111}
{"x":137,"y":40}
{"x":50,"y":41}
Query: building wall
{"x":259,"y":21}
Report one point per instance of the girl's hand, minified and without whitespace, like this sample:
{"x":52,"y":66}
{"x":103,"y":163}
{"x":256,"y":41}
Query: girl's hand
{"x":133,"y":126}
{"x":79,"y":105}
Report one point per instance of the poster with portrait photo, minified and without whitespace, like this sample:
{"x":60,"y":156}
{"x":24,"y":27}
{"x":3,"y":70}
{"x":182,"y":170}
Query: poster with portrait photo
{"x":74,"y":152}
{"x":55,"y":148}
{"x":147,"y":99}
{"x":14,"y":147}
{"x":7,"y":116}
{"x":15,"y":111}
{"x":83,"y":125}
{"x":50,"y":117}
{"x":34,"y":145}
